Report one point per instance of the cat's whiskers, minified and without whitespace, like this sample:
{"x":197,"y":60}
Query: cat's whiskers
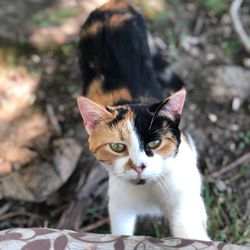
{"x":163,"y":188}
{"x":154,"y":115}
{"x":119,"y":179}
{"x":152,"y":120}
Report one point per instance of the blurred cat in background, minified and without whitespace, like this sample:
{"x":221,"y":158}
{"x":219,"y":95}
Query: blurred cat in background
{"x":133,"y":130}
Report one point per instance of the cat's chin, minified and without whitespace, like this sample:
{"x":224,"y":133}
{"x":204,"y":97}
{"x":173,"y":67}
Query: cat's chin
{"x":138,"y":182}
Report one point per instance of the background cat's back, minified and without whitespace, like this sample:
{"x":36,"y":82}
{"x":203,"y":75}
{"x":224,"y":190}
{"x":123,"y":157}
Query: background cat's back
{"x":114,"y":56}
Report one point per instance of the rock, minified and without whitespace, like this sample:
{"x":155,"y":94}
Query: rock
{"x":226,"y":83}
{"x":67,"y":153}
{"x":187,"y":68}
{"x":246,"y":62}
{"x":32,"y":164}
{"x":40,"y":178}
{"x":212,"y":117}
{"x":5,"y":167}
{"x":236,"y":103}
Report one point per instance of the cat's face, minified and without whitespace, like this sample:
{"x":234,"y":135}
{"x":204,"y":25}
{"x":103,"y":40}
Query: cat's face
{"x":134,"y":141}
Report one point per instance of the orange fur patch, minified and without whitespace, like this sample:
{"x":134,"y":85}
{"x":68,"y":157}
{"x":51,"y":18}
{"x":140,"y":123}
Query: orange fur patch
{"x":105,"y":155}
{"x":97,"y":94}
{"x":105,"y":134}
{"x":129,"y":165}
{"x":168,"y":146}
{"x":115,"y":21}
{"x":115,"y":5}
{"x":92,"y":30}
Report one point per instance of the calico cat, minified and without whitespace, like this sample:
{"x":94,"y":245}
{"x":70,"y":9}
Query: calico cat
{"x":133,"y":131}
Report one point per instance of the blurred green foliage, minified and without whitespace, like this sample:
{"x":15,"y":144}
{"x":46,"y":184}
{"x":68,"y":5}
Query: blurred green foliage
{"x":216,"y":6}
{"x":245,"y":139}
{"x":55,"y":17}
{"x":231,"y":46}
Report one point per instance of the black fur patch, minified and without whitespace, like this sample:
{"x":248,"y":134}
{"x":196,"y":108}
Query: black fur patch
{"x":120,"y":116}
{"x":119,"y":54}
{"x":149,"y":130}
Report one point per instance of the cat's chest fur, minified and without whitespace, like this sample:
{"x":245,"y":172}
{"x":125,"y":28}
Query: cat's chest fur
{"x":140,"y":199}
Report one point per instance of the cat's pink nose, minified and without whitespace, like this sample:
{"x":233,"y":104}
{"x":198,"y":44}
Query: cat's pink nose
{"x":139,"y":169}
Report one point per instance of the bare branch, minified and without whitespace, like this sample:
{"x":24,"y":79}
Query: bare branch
{"x":231,"y":166}
{"x":234,"y":12}
{"x":53,"y":119}
{"x":95,"y":225}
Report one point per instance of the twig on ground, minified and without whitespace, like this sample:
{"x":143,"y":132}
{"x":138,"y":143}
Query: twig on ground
{"x":231,"y":166}
{"x":87,"y":191}
{"x":199,"y":24}
{"x":234,"y":9}
{"x":19,"y":213}
{"x":53,"y":119}
{"x":95,"y":225}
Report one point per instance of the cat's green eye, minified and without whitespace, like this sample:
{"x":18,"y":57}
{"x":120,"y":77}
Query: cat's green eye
{"x":154,"y":144}
{"x":117,"y":147}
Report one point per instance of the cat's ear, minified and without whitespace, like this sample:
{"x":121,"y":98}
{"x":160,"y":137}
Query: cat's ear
{"x":91,"y":113}
{"x":173,"y":105}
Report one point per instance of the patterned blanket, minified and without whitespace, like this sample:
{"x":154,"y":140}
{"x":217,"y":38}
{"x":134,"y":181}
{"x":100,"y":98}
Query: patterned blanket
{"x":48,"y":239}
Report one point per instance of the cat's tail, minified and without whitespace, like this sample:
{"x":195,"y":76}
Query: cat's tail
{"x":165,"y":75}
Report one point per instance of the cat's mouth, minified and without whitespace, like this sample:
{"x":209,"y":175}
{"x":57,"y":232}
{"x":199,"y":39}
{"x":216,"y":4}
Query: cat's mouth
{"x":138,"y":182}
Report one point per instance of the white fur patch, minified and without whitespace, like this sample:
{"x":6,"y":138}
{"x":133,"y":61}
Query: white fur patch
{"x":153,"y":164}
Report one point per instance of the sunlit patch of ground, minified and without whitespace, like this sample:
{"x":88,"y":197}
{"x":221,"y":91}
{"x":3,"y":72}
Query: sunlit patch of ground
{"x":17,"y":91}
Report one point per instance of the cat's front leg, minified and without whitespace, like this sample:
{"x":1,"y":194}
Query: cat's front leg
{"x":122,"y":222}
{"x":121,"y":212}
{"x":188,"y":219}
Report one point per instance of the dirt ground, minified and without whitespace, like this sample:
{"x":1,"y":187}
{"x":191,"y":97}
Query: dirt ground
{"x":47,"y":176}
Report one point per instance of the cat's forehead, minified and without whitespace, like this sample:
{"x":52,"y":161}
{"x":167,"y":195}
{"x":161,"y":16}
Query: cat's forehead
{"x":129,"y":111}
{"x":120,"y":113}
{"x":134,"y":108}
{"x":142,"y":117}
